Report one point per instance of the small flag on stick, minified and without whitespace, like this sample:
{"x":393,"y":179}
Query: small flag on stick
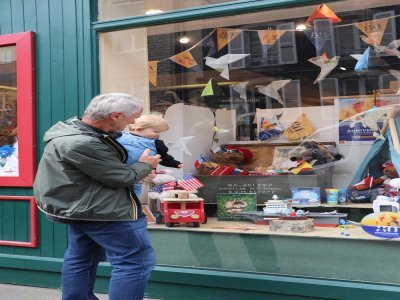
{"x":189,"y":183}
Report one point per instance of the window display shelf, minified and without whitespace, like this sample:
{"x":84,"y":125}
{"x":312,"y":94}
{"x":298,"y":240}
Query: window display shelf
{"x":213,"y":225}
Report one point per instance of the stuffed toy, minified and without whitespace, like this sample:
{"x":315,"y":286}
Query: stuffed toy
{"x":320,"y":154}
{"x":389,"y":172}
{"x":226,"y":161}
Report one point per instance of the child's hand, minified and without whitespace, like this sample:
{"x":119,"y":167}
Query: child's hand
{"x":180,"y":166}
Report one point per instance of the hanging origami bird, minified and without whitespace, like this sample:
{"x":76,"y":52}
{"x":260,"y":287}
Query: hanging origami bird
{"x":241,"y":89}
{"x":324,"y":12}
{"x":371,"y":119}
{"x":391,"y":49}
{"x":362,"y":63}
{"x":271,"y":90}
{"x":327,"y":65}
{"x":221,"y":64}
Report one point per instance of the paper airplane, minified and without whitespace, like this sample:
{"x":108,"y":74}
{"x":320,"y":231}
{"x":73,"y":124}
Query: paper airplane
{"x":241,"y":89}
{"x":271,"y":90}
{"x":221,"y":64}
{"x":396,"y":74}
{"x":371,"y":119}
{"x":362,"y":63}
{"x":327,"y":65}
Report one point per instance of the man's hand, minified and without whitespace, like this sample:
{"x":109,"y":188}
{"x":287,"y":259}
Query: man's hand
{"x":151,"y":160}
{"x":150,"y":177}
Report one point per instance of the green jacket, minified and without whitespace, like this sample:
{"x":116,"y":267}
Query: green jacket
{"x":82,"y":175}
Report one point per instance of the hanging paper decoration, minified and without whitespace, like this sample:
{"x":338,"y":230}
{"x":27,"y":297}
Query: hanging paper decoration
{"x":210,"y":43}
{"x":396,"y":74}
{"x":241,"y":89}
{"x":391,"y":49}
{"x":184,"y":59}
{"x":212,"y":89}
{"x":271,"y":90}
{"x":225,"y":35}
{"x":372,"y":118}
{"x":153,"y":72}
{"x":323,"y":12}
{"x":327,"y":65}
{"x":221,"y":64}
{"x":362,"y":63}
{"x":373,"y":29}
{"x":269,"y":37}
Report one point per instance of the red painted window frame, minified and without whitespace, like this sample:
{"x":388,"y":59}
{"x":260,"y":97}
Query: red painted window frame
{"x":33,"y":243}
{"x":25,"y":108}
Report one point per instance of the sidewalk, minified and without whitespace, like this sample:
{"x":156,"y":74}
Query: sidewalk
{"x":20,"y":292}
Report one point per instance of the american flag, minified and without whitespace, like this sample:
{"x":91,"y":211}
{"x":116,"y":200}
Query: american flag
{"x":164,"y":187}
{"x":189,"y":183}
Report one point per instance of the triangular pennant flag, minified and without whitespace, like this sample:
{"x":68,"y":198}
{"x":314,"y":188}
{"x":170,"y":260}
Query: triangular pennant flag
{"x":212,"y":89}
{"x":373,"y":29}
{"x":225,"y":35}
{"x":323,"y":12}
{"x":362,"y":63}
{"x":153,"y":72}
{"x":211,"y":44}
{"x":184,"y":59}
{"x":316,"y":38}
{"x":269,"y":37}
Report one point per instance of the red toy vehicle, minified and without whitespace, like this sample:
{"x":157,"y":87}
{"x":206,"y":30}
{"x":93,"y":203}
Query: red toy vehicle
{"x":183,"y":209}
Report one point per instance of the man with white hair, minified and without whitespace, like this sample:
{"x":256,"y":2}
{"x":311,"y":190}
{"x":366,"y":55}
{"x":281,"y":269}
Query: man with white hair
{"x":82,"y":180}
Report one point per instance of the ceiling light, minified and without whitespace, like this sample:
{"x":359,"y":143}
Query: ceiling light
{"x":151,"y":12}
{"x":343,"y":68}
{"x":184,"y":40}
{"x":301,"y":27}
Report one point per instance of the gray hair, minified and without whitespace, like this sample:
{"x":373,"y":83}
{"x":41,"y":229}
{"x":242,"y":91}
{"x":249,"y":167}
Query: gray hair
{"x":103,"y":105}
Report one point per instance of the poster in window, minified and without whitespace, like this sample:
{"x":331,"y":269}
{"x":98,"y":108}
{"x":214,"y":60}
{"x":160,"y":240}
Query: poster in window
{"x":351,"y":110}
{"x":17,"y":130}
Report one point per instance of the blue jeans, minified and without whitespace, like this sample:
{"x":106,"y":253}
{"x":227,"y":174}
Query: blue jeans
{"x":128,"y":249}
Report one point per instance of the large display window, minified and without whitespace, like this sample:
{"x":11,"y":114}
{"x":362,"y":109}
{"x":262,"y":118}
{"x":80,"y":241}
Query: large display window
{"x":286,"y":121}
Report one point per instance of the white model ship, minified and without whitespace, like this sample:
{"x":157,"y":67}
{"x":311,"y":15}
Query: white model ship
{"x":276,"y":206}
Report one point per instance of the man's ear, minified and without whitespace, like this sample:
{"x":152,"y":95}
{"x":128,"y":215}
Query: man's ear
{"x":114,"y":115}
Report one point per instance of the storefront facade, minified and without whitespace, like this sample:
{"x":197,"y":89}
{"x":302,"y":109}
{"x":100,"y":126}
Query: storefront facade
{"x":265,"y":85}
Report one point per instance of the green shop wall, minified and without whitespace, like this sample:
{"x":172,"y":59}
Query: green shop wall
{"x":66,"y":79}
{"x":63,"y":83}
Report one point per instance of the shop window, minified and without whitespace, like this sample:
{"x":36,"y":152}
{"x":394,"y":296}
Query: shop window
{"x":17,"y":128}
{"x":283,"y":89}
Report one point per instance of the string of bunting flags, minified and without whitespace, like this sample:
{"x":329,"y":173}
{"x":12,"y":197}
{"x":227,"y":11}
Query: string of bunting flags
{"x":372,"y":33}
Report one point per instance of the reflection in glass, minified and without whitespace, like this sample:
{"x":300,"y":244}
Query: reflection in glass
{"x":8,"y":113}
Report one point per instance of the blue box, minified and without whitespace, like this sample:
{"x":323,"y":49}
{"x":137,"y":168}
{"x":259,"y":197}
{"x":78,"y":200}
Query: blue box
{"x":307,"y":196}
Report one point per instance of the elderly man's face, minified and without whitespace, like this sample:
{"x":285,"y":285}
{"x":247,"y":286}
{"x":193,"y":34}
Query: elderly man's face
{"x":122,"y":121}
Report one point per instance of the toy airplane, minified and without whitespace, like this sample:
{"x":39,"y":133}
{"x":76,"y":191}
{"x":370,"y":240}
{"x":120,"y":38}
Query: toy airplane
{"x":221,"y":64}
